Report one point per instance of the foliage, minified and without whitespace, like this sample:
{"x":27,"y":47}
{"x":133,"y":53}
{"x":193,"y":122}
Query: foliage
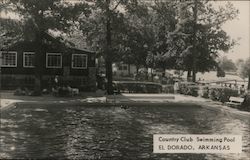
{"x":168,"y":88}
{"x":40,"y":17}
{"x":204,"y":90}
{"x":138,"y":87}
{"x":220,"y":72}
{"x":191,"y":43}
{"x":246,"y":103}
{"x":222,"y":94}
{"x":102,"y":29}
{"x":227,"y":64}
{"x":244,"y":69}
{"x":187,"y":89}
{"x":185,"y":35}
{"x":140,"y":35}
{"x":10,"y":30}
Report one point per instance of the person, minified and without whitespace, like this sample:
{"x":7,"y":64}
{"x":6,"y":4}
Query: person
{"x":235,"y":86}
{"x":176,"y":87}
{"x":56,"y":80}
{"x":242,"y":89}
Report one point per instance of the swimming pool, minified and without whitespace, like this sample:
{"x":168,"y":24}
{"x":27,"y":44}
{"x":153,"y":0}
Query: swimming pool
{"x":111,"y":132}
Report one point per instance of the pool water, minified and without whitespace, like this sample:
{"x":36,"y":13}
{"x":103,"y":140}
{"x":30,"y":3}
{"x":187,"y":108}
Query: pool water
{"x":111,"y":132}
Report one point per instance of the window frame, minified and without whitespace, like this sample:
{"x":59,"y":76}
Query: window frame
{"x":122,"y":67}
{"x":47,"y":58}
{"x":12,"y":66}
{"x":24,"y":53}
{"x":72,"y":61}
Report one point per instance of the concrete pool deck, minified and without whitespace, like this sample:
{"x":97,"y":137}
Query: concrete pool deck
{"x":7,"y":98}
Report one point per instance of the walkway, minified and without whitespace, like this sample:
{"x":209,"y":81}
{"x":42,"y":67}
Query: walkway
{"x":8,"y":98}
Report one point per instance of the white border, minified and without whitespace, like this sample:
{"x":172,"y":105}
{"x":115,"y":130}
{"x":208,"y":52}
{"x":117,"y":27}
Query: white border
{"x":24,"y":53}
{"x":47,"y":54}
{"x":72,"y":61}
{"x":2,"y":65}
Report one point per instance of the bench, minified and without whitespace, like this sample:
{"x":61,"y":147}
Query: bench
{"x":235,"y":101}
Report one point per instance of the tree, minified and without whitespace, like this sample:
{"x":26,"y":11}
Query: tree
{"x":244,"y":71}
{"x":103,"y":29}
{"x":195,"y":35}
{"x":139,"y":36}
{"x":227,"y":64}
{"x":10,"y":30}
{"x":40,"y":17}
{"x":238,"y":63}
{"x":220,"y":72}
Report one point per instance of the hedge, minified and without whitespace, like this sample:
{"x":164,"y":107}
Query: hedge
{"x":222,"y":94}
{"x":215,"y":93}
{"x":187,"y":89}
{"x":168,"y":88}
{"x":138,"y":87}
{"x":246,"y":103}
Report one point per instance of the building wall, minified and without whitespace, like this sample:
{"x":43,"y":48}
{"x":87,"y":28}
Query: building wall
{"x":12,"y":77}
{"x":120,"y":70}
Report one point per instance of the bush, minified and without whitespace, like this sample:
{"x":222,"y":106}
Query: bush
{"x":193,"y":90}
{"x":222,"y":94}
{"x":204,"y":91}
{"x":138,"y":87}
{"x":168,"y":88}
{"x":187,"y":89}
{"x":246,"y":103}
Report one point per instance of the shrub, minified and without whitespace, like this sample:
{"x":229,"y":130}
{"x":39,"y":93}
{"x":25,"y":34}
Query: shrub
{"x":187,"y":89}
{"x":246,"y":103}
{"x":168,"y":88}
{"x":204,"y":91}
{"x":141,"y":87}
{"x":222,"y":94}
{"x":193,"y":90}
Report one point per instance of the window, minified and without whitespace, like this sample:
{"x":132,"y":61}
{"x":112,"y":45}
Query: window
{"x":79,"y":61}
{"x":120,"y":68}
{"x":123,"y":67}
{"x":54,"y":60}
{"x":28,"y":59}
{"x":9,"y":59}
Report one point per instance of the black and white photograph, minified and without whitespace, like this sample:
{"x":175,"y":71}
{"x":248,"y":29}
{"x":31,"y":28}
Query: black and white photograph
{"x":125,"y":79}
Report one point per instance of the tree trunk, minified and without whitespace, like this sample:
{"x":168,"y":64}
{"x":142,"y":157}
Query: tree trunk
{"x":129,"y":70}
{"x":248,"y":87}
{"x":194,"y":67}
{"x":38,"y":65}
{"x":108,"y":51}
{"x":109,"y":76}
{"x":194,"y":75}
{"x":151,"y":74}
{"x":137,"y":70}
{"x":189,"y":75}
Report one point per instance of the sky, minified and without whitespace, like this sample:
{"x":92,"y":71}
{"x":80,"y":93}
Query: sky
{"x":237,"y":28}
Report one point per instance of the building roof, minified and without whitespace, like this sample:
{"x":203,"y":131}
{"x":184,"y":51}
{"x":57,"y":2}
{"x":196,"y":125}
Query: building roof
{"x":51,"y":39}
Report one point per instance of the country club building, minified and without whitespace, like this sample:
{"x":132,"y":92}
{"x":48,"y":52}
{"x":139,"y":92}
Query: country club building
{"x":74,"y":67}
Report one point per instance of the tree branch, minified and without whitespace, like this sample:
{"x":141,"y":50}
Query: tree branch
{"x":116,"y":5}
